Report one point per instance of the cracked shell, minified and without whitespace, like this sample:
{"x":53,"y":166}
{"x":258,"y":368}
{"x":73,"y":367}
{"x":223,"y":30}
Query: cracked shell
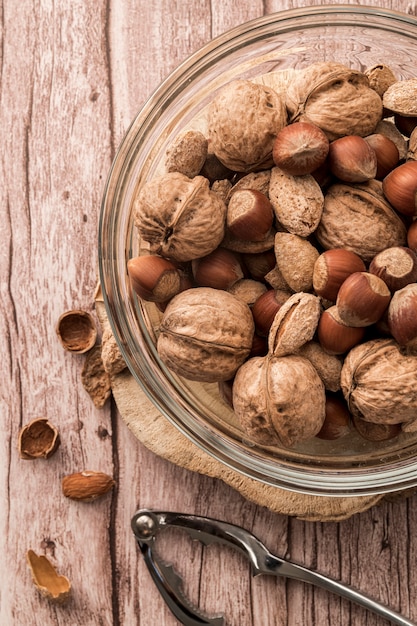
{"x":205,"y":334}
{"x":279,"y":400}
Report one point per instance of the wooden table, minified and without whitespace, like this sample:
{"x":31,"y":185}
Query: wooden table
{"x":73,"y":75}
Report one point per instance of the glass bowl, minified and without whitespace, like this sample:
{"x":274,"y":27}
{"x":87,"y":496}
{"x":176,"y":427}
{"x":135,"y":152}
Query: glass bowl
{"x":356,"y":36}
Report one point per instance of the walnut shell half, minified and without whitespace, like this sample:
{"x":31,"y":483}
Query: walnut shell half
{"x":181,"y":218}
{"x":379,"y":382}
{"x":279,"y":400}
{"x":205,"y":334}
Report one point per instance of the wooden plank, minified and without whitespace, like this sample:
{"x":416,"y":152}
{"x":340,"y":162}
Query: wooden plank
{"x":73,"y":75}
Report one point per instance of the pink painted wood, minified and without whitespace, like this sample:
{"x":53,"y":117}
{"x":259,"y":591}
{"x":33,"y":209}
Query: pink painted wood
{"x":73,"y":74}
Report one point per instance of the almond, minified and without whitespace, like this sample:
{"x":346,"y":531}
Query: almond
{"x":87,"y":485}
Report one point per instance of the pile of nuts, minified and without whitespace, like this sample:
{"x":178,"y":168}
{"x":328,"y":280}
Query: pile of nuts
{"x":281,"y":251}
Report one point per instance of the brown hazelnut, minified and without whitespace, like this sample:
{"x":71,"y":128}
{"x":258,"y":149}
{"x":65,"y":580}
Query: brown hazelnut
{"x":352,"y":159}
{"x":259,"y":264}
{"x":332,"y":268}
{"x":220,"y":269}
{"x":300,"y":148}
{"x":77,"y":331}
{"x":337,"y":419}
{"x":412,"y":236}
{"x":405,"y":124}
{"x":402,"y":316}
{"x":249,"y":215}
{"x":38,"y":439}
{"x":396,"y":266}
{"x":153,"y":278}
{"x":336,"y":337}
{"x":387,"y":154}
{"x":362,"y":299}
{"x":375,"y":432}
{"x":400,"y":188}
{"x":264,"y":310}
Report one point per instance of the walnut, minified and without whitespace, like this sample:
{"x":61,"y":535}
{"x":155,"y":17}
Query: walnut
{"x":222,"y":188}
{"x":295,"y":258}
{"x":180,"y":217}
{"x":50,"y":584}
{"x":380,"y":77}
{"x":359,"y":218}
{"x":328,"y":366}
{"x":401,"y":97}
{"x":205,"y":334}
{"x":187,"y":153}
{"x":279,"y":400}
{"x":379,"y":382}
{"x":243,"y":120}
{"x":297,"y":201}
{"x":336,"y":98}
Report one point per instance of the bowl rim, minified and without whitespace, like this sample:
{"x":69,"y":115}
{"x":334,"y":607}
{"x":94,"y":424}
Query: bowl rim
{"x":343,"y":482}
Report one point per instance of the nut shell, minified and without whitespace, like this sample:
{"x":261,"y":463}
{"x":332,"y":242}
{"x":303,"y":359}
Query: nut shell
{"x":77,"y":331}
{"x":180,"y":217}
{"x":38,"y":439}
{"x":379,"y":382}
{"x":296,"y":258}
{"x":279,"y":400}
{"x":295,"y":323}
{"x":337,"y":99}
{"x":53,"y":586}
{"x":243,"y":120}
{"x":352,"y":210}
{"x":205,"y":334}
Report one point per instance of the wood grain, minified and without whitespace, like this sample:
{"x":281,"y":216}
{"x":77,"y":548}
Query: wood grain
{"x":73,"y":74}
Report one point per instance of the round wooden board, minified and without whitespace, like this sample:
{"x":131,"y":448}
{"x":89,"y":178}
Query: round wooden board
{"x":161,"y":437}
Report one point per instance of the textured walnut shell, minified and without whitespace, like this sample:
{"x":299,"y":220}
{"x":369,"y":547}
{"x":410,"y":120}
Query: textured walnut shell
{"x":328,"y":366}
{"x":357,"y":217}
{"x":279,"y":400}
{"x":379,"y":382}
{"x":294,"y":324}
{"x":297,"y":201}
{"x":296,"y":258}
{"x":243,"y":120}
{"x":205,"y":334}
{"x":51,"y":585}
{"x":337,"y":99}
{"x":180,"y":217}
{"x":77,"y":331}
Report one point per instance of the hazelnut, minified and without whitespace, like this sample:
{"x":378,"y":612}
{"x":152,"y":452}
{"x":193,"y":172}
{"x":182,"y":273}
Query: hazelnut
{"x":352,"y":159}
{"x":249,"y":215}
{"x":375,"y":432}
{"x":336,"y":337}
{"x":300,"y":148}
{"x":387,"y":154}
{"x":412,"y":236}
{"x":362,"y":299}
{"x":77,"y":331}
{"x":153,"y":278}
{"x":400,"y":188}
{"x":405,"y":124}
{"x":220,"y":269}
{"x":264,"y":310}
{"x":337,"y":419}
{"x":259,"y":264}
{"x":332,"y":268}
{"x":396,"y":266}
{"x":402,"y":316}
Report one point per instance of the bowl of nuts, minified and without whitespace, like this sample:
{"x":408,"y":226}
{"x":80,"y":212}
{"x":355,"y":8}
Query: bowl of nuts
{"x":258,"y":249}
